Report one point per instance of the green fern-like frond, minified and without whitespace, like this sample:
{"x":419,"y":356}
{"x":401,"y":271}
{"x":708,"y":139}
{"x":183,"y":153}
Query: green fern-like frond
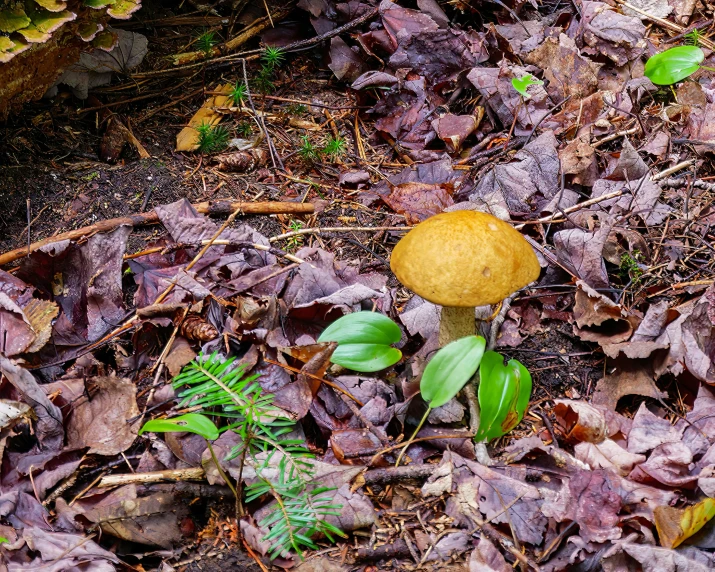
{"x":298,"y":514}
{"x":212,"y":382}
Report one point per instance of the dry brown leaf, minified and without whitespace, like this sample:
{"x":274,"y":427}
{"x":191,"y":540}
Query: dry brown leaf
{"x":40,"y":314}
{"x":580,"y":421}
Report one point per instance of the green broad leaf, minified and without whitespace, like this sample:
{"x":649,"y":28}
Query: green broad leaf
{"x":504,"y":392}
{"x":189,"y":423}
{"x":362,"y":328}
{"x":450,"y":369}
{"x":521,"y":84}
{"x":366,"y":357}
{"x":674,"y":65}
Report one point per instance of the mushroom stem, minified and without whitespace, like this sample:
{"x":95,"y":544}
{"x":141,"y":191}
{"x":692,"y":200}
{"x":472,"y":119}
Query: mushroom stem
{"x":456,"y":322}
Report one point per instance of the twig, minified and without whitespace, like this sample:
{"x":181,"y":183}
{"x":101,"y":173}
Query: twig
{"x":673,"y":169}
{"x":218,"y":207}
{"x":187,"y":474}
{"x":259,"y":119}
{"x":379,"y":454}
{"x":303,"y":231}
{"x":548,"y":114}
{"x":312,"y":376}
{"x":220,"y":242}
{"x":666,"y":23}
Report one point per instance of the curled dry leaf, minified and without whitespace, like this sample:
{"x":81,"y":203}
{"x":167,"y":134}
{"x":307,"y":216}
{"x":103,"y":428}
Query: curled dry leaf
{"x":598,"y":318}
{"x":580,"y":421}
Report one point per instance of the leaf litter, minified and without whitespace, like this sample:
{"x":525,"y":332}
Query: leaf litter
{"x":613,"y":466}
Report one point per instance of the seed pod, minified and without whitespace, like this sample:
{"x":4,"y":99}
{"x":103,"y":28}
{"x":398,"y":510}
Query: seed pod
{"x":197,"y":329}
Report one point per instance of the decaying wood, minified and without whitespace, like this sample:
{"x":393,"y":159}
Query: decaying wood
{"x":220,"y":207}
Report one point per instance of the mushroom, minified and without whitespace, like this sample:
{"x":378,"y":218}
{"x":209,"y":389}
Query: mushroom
{"x":460,"y":260}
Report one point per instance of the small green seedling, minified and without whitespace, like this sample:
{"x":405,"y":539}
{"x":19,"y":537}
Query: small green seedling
{"x":446,"y":374}
{"x":692,"y":38}
{"x":364,"y":341}
{"x":272,"y":57}
{"x":522,"y":84}
{"x":308,"y":151}
{"x":205,"y":41}
{"x":334,"y":147}
{"x":212,"y":139}
{"x":504,"y":392}
{"x":191,"y":423}
{"x":238,"y":94}
{"x":674,"y":65}
{"x":264,"y":80}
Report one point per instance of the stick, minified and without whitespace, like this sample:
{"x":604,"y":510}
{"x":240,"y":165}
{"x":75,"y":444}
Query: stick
{"x":219,"y":207}
{"x":188,"y":474}
{"x":303,"y":231}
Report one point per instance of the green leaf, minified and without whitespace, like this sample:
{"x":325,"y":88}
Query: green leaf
{"x":504,"y":392}
{"x":674,"y":65}
{"x":362,"y":328}
{"x":523,"y":83}
{"x":366,"y":357}
{"x":450,"y":369}
{"x":190,"y":423}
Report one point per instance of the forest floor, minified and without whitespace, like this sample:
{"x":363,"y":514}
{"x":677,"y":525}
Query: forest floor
{"x":353,"y":137}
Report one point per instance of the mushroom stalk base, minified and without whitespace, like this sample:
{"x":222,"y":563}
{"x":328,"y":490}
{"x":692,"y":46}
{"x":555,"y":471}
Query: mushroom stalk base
{"x":456,"y":323}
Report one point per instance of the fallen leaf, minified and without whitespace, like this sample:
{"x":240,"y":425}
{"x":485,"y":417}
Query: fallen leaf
{"x":669,"y":464}
{"x":419,"y":201}
{"x":49,"y":429}
{"x":657,"y":8}
{"x":654,"y":559}
{"x":608,"y":454}
{"x":454,"y":129}
{"x":598,"y":318}
{"x":605,"y":31}
{"x":580,"y":421}
{"x":486,"y":558}
{"x":675,"y":525}
{"x":188,"y":137}
{"x":567,"y":71}
{"x":649,"y":431}
{"x":101,"y":423}
{"x":628,"y":377}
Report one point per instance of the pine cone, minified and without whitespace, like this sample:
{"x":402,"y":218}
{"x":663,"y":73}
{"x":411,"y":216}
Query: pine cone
{"x":197,"y":329}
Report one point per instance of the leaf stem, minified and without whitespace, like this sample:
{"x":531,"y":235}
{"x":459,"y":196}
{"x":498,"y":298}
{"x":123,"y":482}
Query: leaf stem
{"x":422,"y":422}
{"x":221,"y":472}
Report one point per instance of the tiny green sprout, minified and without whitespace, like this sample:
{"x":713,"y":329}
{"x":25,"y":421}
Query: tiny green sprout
{"x":264,"y":80}
{"x":334,"y":147}
{"x":674,"y":65}
{"x":630,"y":269}
{"x":206,"y":40}
{"x":238,"y":94}
{"x":692,"y":38}
{"x":212,"y":139}
{"x":244,"y":129}
{"x":296,"y":109}
{"x":521,"y":85}
{"x":308,"y":151}
{"x":272,"y":57}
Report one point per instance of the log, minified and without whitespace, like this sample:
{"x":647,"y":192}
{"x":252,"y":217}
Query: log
{"x":213,"y":208}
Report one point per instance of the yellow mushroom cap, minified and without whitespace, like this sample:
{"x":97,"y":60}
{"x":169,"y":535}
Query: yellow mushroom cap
{"x":464,"y":259}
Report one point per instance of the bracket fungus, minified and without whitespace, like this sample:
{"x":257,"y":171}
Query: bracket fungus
{"x":460,"y":260}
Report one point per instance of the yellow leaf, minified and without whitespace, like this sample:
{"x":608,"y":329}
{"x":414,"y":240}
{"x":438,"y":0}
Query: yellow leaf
{"x":188,"y":137}
{"x":676,"y":525}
